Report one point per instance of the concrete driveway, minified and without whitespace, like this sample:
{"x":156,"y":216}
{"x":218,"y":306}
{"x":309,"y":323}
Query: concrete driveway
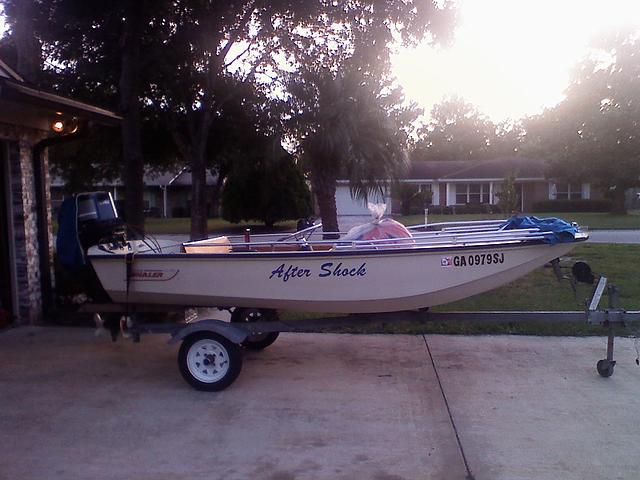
{"x":319,"y":407}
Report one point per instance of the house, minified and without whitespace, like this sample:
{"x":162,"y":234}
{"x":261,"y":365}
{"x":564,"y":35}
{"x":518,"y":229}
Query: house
{"x":166,"y":193}
{"x":30,"y":121}
{"x":475,"y":182}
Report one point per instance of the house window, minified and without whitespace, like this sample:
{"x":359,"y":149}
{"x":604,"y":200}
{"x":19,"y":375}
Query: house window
{"x":472,"y":193}
{"x":568,"y":191}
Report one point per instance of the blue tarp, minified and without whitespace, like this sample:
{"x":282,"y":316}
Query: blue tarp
{"x":559,"y":230}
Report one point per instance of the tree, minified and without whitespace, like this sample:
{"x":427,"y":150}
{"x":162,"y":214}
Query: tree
{"x":27,"y":45}
{"x":192,"y":49}
{"x":271,"y":188}
{"x":456,"y":131}
{"x":350,"y":135}
{"x":508,"y":196}
{"x":593,"y":134}
{"x":92,"y":52}
{"x":412,"y":199}
{"x":136,"y":15}
{"x":208,"y":42}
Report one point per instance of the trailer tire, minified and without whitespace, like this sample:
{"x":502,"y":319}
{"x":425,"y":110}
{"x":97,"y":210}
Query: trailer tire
{"x":259,"y":341}
{"x":208,"y":361}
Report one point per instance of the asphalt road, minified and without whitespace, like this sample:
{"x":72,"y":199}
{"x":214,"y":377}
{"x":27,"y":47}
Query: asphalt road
{"x":319,"y":406}
{"x":614,"y":236}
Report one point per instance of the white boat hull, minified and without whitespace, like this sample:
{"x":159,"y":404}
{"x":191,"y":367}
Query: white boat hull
{"x":341,"y":282}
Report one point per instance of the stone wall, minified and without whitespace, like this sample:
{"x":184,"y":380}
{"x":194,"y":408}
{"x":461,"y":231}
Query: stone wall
{"x":24,"y":213}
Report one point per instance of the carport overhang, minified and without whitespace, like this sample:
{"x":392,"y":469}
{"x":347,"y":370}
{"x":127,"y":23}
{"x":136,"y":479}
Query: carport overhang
{"x":23,"y":105}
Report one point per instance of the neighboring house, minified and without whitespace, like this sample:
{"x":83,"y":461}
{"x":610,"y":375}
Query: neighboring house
{"x":346,"y":205}
{"x":30,"y":121}
{"x":166,"y":194}
{"x":476,"y":182}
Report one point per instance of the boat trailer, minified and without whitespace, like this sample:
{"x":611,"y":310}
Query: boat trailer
{"x":210,"y":357}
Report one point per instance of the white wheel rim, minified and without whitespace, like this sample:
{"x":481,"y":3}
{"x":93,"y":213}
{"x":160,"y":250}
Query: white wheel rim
{"x":208,"y":360}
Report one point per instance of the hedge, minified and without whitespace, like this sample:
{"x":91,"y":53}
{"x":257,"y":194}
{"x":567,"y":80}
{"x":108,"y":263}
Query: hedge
{"x":466,"y":208}
{"x":602,"y":205}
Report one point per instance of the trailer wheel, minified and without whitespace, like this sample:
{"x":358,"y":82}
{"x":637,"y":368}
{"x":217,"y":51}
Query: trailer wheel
{"x":605,"y":367}
{"x":258,"y":341}
{"x":209,"y":362}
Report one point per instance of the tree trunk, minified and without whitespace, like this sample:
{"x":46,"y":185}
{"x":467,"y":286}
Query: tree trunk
{"x":217,"y":190}
{"x":618,"y":201}
{"x":130,"y":108}
{"x":28,"y":47}
{"x":325,"y":192}
{"x":198,"y":195}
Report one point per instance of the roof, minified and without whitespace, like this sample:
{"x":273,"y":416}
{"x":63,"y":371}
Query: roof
{"x":24,"y":104}
{"x":491,"y":169}
{"x":7,"y":72}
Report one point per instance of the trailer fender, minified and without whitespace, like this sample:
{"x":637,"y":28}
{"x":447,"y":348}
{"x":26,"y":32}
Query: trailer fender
{"x":231,"y":332}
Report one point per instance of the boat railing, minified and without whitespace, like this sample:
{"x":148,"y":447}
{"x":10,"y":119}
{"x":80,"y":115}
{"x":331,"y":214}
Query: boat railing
{"x":458,"y":224}
{"x":418,"y":240}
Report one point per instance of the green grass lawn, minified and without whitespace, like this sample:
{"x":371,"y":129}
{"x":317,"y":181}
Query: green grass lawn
{"x":592,"y":220}
{"x":540,"y":290}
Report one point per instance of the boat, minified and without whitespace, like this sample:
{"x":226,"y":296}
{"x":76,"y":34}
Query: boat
{"x":377,"y":267}
{"x":435,"y":264}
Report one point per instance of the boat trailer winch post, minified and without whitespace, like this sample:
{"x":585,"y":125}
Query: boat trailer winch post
{"x":609,"y":318}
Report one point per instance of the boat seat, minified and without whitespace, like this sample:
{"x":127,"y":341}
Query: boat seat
{"x":276,"y":248}
{"x":323,"y":247}
{"x":213,"y":245}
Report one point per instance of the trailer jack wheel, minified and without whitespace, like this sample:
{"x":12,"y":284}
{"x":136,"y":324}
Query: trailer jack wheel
{"x":605,"y":367}
{"x":257,"y":341}
{"x":208,"y":361}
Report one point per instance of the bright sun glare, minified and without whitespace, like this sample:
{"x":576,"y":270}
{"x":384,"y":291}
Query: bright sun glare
{"x":511,"y":58}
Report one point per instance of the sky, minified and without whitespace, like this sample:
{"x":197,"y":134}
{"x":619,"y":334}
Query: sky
{"x":3,"y":27}
{"x":510,"y":58}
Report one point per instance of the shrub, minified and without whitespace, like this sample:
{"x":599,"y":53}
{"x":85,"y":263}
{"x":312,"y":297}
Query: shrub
{"x":412,"y":200}
{"x":269,"y":191}
{"x":601,"y":205}
{"x":508,"y":196}
{"x":180,"y":211}
{"x":470,"y":208}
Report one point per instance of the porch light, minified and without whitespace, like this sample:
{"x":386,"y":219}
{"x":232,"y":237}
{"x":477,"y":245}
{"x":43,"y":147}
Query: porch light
{"x":57,"y":126}
{"x":65,"y":125}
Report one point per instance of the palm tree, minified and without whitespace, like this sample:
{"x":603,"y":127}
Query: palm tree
{"x":350,"y":135}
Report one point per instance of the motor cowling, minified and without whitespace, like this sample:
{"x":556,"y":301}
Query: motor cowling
{"x":84,"y":220}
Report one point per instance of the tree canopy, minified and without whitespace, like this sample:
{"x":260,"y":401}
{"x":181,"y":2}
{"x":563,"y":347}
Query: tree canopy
{"x":457,"y":130}
{"x":182,"y":64}
{"x":593,"y":134}
{"x":269,"y":188}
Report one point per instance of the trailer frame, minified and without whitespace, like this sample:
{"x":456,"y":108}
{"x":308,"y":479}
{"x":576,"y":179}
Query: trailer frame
{"x":232,"y":335}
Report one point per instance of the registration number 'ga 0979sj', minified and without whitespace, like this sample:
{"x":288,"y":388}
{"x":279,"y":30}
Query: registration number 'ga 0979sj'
{"x":472,"y":259}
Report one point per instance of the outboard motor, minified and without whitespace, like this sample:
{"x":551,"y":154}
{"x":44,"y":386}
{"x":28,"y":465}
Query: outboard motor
{"x":85,"y":220}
